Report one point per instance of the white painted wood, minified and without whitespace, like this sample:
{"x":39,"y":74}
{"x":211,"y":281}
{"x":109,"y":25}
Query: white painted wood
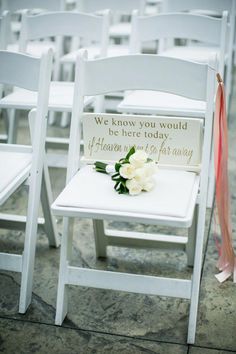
{"x":14,"y":178}
{"x":91,"y":74}
{"x":145,"y":240}
{"x":128,"y":80}
{"x":190,"y":246}
{"x":4,"y":28}
{"x":56,"y":24}
{"x":32,"y":74}
{"x":10,"y":61}
{"x":62,"y":291}
{"x":61,"y":24}
{"x":202,"y":210}
{"x":100,"y":238}
{"x":11,"y":262}
{"x":16,"y":222}
{"x":60,"y":98}
{"x":135,"y":283}
{"x":15,"y":5}
{"x":125,"y":7}
{"x":212,"y":32}
{"x":211,"y":7}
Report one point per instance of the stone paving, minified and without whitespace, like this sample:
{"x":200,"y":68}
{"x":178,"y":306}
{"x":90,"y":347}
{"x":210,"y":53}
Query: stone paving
{"x":103,"y":321}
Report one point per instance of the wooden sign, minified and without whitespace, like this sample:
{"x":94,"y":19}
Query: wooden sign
{"x":167,"y":140}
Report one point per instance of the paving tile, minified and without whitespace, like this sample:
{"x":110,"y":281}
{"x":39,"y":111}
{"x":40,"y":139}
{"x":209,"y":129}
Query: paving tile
{"x":115,"y":313}
{"x":195,"y":350}
{"x":28,"y":338}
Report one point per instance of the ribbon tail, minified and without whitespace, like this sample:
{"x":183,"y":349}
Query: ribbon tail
{"x":227,"y":259}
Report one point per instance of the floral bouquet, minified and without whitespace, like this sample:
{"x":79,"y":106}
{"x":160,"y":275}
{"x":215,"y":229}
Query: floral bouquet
{"x":131,"y":174}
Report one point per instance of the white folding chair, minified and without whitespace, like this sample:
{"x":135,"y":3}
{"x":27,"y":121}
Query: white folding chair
{"x":210,"y":31}
{"x":18,"y":7}
{"x":87,"y":26}
{"x":89,"y":194}
{"x":22,"y":164}
{"x":119,"y":29}
{"x":187,"y":26}
{"x":215,"y":8}
{"x":119,"y":32}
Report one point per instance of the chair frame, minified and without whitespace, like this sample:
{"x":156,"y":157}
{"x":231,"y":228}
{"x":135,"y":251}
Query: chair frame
{"x":91,"y":75}
{"x":216,"y":6}
{"x":141,"y":32}
{"x":34,"y":74}
{"x":70,"y":27}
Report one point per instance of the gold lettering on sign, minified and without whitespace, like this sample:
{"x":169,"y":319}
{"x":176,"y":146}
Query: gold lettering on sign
{"x":98,"y":144}
{"x":165,"y":139}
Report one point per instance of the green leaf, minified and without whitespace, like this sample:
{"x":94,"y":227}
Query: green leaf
{"x":131,"y":152}
{"x":117,"y":166}
{"x":100,"y":166}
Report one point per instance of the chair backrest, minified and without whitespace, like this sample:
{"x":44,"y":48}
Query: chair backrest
{"x":189,"y":5}
{"x":140,"y":72}
{"x":30,"y":73}
{"x":121,"y":6}
{"x":206,"y":29}
{"x":15,"y":5}
{"x":4,"y":29}
{"x":52,"y":24}
{"x":211,"y":6}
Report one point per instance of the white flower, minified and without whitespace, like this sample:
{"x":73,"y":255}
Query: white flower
{"x":150,"y":168}
{"x":140,"y":174}
{"x":148,"y":185}
{"x":110,"y":169}
{"x":138,"y":159}
{"x":127,"y":171}
{"x":133,"y":186}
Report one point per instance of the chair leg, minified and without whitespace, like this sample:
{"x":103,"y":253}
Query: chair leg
{"x":65,"y":256}
{"x":65,"y":119}
{"x":29,"y":247}
{"x":196,"y":278}
{"x":228,"y":84}
{"x":211,"y":185}
{"x":46,"y":200}
{"x":100,"y":238}
{"x":190,"y":247}
{"x":12,"y":126}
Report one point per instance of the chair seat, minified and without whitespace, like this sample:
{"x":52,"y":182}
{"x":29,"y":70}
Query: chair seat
{"x":15,"y":167}
{"x":60,"y":98}
{"x":35,"y":48}
{"x":94,"y":52}
{"x":200,"y":54}
{"x":173,"y":197}
{"x":153,"y":102}
{"x":118,"y":30}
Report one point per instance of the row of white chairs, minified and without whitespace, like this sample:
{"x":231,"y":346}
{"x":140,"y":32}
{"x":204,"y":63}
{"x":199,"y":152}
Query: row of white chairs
{"x":35,"y":27}
{"x":90,"y":195}
{"x":81,"y":197}
{"x":211,"y":31}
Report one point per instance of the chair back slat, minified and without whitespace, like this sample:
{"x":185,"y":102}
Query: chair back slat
{"x":27,"y":77}
{"x":4,"y":29}
{"x":217,"y":6}
{"x":160,"y":73}
{"x":122,"y":6}
{"x":62,"y":24}
{"x":189,"y":26}
{"x":14,"y":5}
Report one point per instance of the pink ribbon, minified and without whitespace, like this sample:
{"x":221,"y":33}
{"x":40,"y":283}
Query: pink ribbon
{"x":227,"y":259}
